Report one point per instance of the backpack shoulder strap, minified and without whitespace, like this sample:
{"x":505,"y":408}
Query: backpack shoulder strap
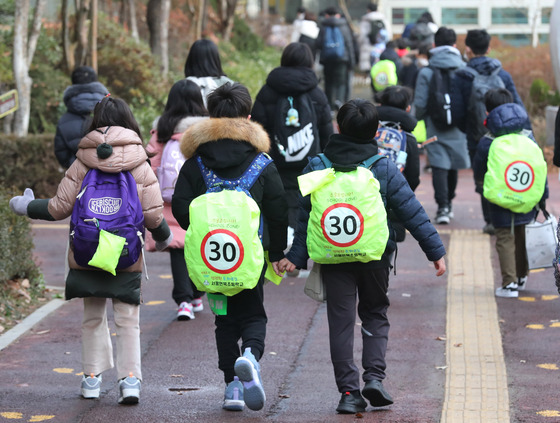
{"x":325,"y":160}
{"x":246,"y":181}
{"x":371,"y":161}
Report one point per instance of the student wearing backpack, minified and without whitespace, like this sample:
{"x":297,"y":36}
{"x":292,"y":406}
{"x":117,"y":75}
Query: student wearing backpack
{"x":112,"y":149}
{"x":394,"y":110}
{"x":469,"y":87}
{"x":79,"y":98}
{"x":227,"y":147}
{"x":371,"y":26}
{"x":183,"y":109}
{"x":506,"y":121}
{"x":294,"y":78}
{"x":337,"y":55}
{"x":204,"y":67}
{"x":432,"y":103}
{"x":347,"y":249}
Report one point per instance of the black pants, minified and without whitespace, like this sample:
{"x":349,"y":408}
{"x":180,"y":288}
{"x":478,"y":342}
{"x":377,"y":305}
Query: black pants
{"x":484,"y":203}
{"x":371,"y":286}
{"x":183,"y":288}
{"x":246,"y":320}
{"x":445,"y":183}
{"x":336,"y":83}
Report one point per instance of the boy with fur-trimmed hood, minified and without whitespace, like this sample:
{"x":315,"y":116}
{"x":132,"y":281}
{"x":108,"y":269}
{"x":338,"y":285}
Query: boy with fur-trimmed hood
{"x":227,"y":144}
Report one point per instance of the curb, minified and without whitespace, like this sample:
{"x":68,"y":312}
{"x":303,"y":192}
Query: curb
{"x":30,"y":321}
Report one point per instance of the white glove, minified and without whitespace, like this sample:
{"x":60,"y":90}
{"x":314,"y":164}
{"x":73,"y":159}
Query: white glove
{"x":19,"y":204}
{"x":162,"y":245}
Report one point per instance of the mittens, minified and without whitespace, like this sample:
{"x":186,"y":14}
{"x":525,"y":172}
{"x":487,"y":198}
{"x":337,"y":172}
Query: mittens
{"x":162,"y":245}
{"x":19,"y":203}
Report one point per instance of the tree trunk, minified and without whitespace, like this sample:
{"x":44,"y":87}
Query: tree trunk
{"x":132,"y":20}
{"x":82,"y":32}
{"x":24,"y":48}
{"x":555,"y":42}
{"x":158,"y":25}
{"x":93,"y":35}
{"x":66,"y":43}
{"x":231,"y":5}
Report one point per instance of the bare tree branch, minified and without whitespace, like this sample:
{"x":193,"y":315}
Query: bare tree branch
{"x":35,"y":30}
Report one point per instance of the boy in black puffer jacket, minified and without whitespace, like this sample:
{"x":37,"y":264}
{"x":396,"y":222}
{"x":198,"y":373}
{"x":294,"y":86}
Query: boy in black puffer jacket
{"x":79,"y":98}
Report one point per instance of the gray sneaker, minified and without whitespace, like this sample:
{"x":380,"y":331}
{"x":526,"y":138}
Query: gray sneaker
{"x":233,"y":397}
{"x":129,"y":390}
{"x":91,"y":385}
{"x":442,"y":216}
{"x":249,"y":372}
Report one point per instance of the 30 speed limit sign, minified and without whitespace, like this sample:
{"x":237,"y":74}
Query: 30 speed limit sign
{"x":342,"y":224}
{"x":222,"y":251}
{"x":519,"y":176}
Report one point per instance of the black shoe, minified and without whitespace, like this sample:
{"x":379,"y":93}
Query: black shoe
{"x":351,"y":403}
{"x":376,"y":394}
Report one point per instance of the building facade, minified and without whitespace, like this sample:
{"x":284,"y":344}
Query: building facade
{"x":517,"y":22}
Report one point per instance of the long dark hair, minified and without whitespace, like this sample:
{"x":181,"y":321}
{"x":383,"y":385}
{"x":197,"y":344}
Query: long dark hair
{"x":184,"y":100}
{"x":112,"y":111}
{"x":203,"y":60}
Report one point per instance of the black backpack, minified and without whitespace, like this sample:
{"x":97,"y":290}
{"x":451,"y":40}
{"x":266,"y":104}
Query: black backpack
{"x":440,"y":97}
{"x":375,"y":27}
{"x":296,"y":134}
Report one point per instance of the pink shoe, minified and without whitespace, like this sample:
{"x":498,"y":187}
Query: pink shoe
{"x":185,"y":311}
{"x":197,"y":305}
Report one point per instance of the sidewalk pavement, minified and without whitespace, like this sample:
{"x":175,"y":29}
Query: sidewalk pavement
{"x":455,"y":353}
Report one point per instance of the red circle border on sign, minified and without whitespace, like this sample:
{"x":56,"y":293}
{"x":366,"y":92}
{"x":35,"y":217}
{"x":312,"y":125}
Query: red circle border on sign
{"x":241,"y":251}
{"x":532,"y":176}
{"x":355,"y":210}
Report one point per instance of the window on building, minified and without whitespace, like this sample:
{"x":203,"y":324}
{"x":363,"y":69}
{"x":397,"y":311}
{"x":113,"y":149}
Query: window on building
{"x":509,"y":15}
{"x":544,"y":38}
{"x":516,"y":40}
{"x":545,"y":15}
{"x":459,"y":16}
{"x":402,"y":16}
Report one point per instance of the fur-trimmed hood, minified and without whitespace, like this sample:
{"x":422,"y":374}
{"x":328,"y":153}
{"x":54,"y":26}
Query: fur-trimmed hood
{"x":216,"y":129}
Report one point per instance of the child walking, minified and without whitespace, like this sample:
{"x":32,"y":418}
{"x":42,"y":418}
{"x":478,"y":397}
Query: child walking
{"x":227,"y":150}
{"x":113,"y":145}
{"x":506,"y":118}
{"x":347,"y":231}
{"x":184,"y":108}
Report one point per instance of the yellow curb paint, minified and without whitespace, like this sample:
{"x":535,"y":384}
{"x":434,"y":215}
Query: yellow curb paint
{"x":537,"y":270}
{"x":165,"y":276}
{"x":548,"y":366}
{"x":63,"y":370}
{"x":47,"y":226}
{"x":151,"y":303}
{"x":11,"y":415}
{"x":549,"y":413}
{"x":527,"y":299}
{"x":79,"y":374}
{"x":535,"y":326}
{"x":40,"y":418}
{"x":549,"y":297}
{"x":555,"y":325}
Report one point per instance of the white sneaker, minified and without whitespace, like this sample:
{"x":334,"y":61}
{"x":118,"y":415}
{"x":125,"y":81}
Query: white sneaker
{"x":442,"y":216}
{"x":197,"y":305}
{"x":185,"y":311}
{"x":91,"y":385}
{"x":509,"y":291}
{"x":521,"y":283}
{"x":129,"y":390}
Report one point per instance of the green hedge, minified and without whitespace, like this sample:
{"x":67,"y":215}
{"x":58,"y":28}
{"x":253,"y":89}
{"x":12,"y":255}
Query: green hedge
{"x":16,"y":246}
{"x":30,"y":163}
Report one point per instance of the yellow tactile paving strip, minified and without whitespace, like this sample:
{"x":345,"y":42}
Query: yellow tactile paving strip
{"x":476,"y":380}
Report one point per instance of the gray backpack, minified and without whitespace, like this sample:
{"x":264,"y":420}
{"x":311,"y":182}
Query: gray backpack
{"x":476,"y":110}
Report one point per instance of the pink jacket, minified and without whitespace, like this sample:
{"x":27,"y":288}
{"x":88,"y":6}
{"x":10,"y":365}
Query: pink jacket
{"x":156,"y":147}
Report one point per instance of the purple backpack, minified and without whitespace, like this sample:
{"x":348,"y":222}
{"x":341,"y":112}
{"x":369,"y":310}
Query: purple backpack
{"x":107,"y":201}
